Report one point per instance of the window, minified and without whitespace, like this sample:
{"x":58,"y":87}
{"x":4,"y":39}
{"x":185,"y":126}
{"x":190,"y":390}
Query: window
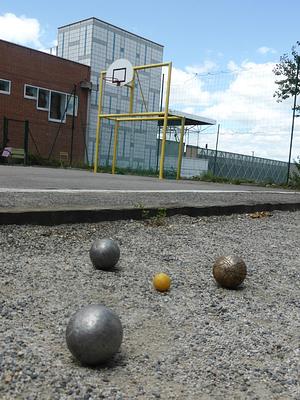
{"x":57,"y":107}
{"x":43,"y":99}
{"x":5,"y":86}
{"x":70,"y":100}
{"x":58,"y":104}
{"x":30,"y":92}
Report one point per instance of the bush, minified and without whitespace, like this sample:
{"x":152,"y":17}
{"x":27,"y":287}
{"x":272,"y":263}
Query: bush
{"x":295,"y":178}
{"x":210,"y":177}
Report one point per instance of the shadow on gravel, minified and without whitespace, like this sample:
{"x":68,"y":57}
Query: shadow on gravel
{"x":119,"y":360}
{"x":237,"y":289}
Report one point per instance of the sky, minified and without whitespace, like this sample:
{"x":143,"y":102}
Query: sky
{"x":223,"y":53}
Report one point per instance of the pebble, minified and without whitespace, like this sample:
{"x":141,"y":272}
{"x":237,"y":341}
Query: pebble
{"x":197,"y":338}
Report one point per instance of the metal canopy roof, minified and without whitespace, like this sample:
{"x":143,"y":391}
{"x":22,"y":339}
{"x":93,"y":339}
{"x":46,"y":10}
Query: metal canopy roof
{"x":190,"y":119}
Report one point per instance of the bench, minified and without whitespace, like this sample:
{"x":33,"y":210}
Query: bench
{"x":18,"y":153}
{"x":10,"y":153}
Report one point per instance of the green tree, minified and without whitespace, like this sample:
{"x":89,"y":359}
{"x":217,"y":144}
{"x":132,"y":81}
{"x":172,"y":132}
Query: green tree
{"x":286,"y":71}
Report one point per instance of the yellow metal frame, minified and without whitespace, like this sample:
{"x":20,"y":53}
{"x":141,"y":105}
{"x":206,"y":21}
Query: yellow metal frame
{"x":139,"y":116}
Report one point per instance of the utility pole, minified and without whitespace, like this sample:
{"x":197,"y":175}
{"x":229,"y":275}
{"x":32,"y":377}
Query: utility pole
{"x":293,"y":120}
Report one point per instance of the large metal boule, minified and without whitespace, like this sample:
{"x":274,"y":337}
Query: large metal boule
{"x":94,"y":334}
{"x":229,"y":271}
{"x":104,"y":253}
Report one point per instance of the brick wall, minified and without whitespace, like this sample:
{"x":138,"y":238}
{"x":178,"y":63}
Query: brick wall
{"x":21,"y":66}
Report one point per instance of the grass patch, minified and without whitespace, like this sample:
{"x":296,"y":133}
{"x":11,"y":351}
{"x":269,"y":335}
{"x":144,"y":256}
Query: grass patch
{"x":159,"y":219}
{"x":210,"y":177}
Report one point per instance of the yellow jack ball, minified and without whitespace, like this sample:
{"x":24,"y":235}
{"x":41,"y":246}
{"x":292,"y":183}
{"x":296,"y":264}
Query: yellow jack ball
{"x":162,"y":282}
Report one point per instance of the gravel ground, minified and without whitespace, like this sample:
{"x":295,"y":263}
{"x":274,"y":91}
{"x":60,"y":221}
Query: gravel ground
{"x":198,"y":341}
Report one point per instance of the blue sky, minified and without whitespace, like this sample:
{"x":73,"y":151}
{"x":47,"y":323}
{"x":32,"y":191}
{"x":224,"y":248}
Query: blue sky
{"x":219,"y":29}
{"x":200,"y":37}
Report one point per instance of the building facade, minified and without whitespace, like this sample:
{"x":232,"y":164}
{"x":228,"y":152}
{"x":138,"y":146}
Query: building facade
{"x":97,"y":44}
{"x":41,"y":89}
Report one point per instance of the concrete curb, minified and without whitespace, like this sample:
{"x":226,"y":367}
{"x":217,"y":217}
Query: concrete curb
{"x":59,"y":216}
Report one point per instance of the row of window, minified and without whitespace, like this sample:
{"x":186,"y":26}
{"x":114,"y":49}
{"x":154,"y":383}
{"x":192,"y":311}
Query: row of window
{"x":57,"y":104}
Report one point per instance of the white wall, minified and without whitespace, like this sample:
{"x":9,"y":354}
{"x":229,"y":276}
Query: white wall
{"x":193,"y":167}
{"x":189,"y":167}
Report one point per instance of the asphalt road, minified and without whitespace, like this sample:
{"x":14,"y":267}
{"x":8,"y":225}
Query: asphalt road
{"x":25,"y":189}
{"x":57,"y":178}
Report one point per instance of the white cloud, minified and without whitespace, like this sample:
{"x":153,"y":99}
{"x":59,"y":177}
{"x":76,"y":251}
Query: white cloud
{"x":21,"y":30}
{"x":207,"y":66}
{"x":232,"y":66}
{"x":266,"y":50}
{"x":181,"y":79}
{"x":242,"y":102}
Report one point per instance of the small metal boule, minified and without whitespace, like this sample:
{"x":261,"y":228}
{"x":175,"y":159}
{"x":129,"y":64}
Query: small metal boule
{"x":104,"y":253}
{"x":229,"y":271}
{"x":94,"y":334}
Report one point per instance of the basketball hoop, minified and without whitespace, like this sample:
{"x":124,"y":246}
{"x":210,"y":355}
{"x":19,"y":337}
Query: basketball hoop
{"x":119,"y":73}
{"x":115,"y":82}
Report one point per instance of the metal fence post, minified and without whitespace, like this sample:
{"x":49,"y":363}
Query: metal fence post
{"x":26,"y":134}
{"x":5,"y":131}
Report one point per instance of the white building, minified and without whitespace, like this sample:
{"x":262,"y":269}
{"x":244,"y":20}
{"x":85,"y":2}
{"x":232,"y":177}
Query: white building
{"x":97,"y":44}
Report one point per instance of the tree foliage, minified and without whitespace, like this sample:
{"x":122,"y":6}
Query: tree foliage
{"x":286,"y":71}
{"x":295,"y":178}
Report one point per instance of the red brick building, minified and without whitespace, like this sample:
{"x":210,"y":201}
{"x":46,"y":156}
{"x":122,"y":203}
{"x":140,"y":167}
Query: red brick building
{"x":50,"y":93}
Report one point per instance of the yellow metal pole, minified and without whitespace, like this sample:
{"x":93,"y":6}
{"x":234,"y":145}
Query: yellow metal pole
{"x":113,"y":167}
{"x":132,"y":93}
{"x":134,"y":114}
{"x":147,"y":66}
{"x":96,"y":158}
{"x":180,"y":148}
{"x":144,"y":119}
{"x":164,"y":132}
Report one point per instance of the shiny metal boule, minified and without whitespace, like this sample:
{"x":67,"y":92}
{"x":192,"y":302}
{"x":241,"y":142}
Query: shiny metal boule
{"x":229,"y":271}
{"x":94,"y":334}
{"x":104,"y":253}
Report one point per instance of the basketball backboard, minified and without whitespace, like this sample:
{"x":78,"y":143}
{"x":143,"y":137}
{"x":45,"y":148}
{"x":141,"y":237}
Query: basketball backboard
{"x":119,"y":73}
